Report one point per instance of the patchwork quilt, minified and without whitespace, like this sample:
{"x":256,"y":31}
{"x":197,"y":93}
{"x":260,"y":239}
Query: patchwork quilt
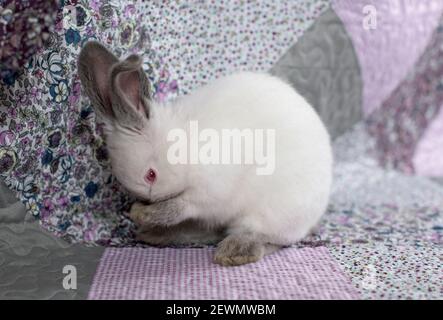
{"x":372,"y":69}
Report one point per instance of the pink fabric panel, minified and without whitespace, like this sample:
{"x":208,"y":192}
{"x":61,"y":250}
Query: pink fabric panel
{"x":189,"y":273}
{"x":388,"y":52}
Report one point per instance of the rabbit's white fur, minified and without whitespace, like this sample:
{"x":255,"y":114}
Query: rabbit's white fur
{"x":282,"y":206}
{"x":258,"y":211}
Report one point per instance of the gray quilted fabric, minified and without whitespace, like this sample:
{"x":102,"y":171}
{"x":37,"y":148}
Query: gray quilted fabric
{"x":32,"y":260}
{"x":6,"y":196}
{"x":323,"y":67}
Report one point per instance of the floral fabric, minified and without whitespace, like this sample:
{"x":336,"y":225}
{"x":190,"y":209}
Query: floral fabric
{"x":24,"y":28}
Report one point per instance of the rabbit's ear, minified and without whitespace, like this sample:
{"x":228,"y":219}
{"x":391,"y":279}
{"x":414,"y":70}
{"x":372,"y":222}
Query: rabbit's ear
{"x":94,"y":67}
{"x":130,"y":92}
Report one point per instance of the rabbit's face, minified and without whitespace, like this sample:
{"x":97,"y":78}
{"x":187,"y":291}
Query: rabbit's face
{"x":119,"y":91}
{"x":140,"y":164}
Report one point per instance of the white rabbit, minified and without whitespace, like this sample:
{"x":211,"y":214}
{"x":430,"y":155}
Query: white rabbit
{"x":256,"y":213}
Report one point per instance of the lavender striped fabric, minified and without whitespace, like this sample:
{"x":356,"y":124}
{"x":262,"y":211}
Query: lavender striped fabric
{"x":189,"y":273}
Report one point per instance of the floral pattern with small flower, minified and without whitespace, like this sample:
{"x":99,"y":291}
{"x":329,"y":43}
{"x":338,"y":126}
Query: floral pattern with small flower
{"x":51,"y":149}
{"x":24,"y":28}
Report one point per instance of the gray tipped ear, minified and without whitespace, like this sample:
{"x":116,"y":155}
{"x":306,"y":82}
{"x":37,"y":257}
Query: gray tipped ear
{"x":94,"y":67}
{"x":130,"y":91}
{"x":119,"y":90}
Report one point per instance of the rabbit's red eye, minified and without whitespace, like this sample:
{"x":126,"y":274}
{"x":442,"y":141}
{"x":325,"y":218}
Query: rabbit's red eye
{"x":150,"y":176}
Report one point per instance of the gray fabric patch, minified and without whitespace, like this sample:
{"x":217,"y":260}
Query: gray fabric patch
{"x":323,"y":67}
{"x":11,"y":209}
{"x":15,"y":212}
{"x":32,"y":262}
{"x":7,"y":197}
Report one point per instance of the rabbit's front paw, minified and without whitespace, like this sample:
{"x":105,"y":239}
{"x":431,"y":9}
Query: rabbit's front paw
{"x":164,"y":213}
{"x":139,"y":213}
{"x":236,"y":250}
